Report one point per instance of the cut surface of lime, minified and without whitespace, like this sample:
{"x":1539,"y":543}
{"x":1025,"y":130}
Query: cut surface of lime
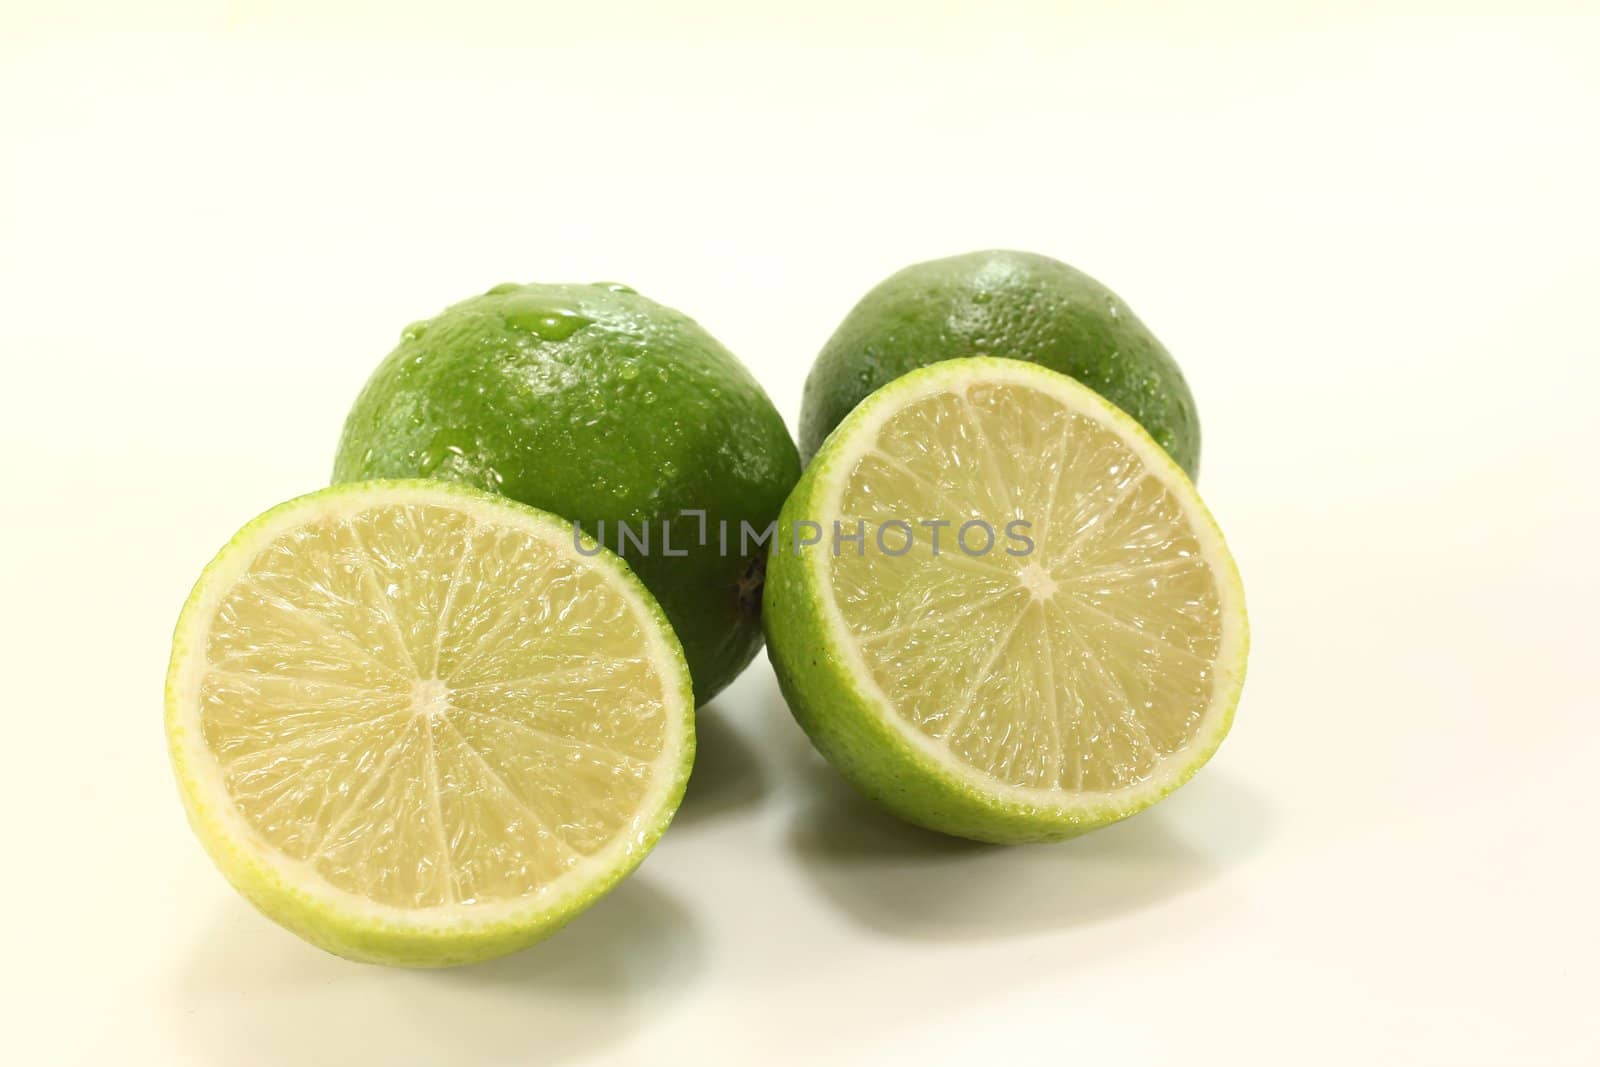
{"x":1069,"y":649}
{"x":419,"y":724}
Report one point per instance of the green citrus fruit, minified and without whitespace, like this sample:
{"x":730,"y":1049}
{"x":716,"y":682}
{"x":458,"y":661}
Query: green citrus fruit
{"x":417,"y":724}
{"x":1070,"y":653}
{"x":1011,"y":304}
{"x":601,"y":406}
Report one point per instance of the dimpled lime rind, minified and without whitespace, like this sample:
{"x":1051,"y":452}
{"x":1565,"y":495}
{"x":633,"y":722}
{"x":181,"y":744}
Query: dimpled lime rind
{"x":342,"y":931}
{"x":597,"y":404}
{"x":1015,"y":305}
{"x":850,"y":726}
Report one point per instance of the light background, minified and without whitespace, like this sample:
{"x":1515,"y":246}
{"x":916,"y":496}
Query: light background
{"x":1368,"y":231}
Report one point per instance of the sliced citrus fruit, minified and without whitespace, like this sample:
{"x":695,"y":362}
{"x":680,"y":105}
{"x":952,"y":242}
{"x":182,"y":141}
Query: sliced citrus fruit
{"x":1068,"y":651}
{"x":420,"y":724}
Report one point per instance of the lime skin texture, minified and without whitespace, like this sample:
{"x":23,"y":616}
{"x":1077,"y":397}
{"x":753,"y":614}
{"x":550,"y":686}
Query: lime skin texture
{"x":603,"y":407}
{"x":1015,"y":305}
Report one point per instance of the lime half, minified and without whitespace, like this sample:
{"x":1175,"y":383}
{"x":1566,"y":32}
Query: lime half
{"x":419,"y":724}
{"x":1068,"y":651}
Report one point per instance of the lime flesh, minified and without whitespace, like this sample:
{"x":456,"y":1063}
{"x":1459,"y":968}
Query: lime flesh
{"x":415,"y":724}
{"x":1082,"y":666}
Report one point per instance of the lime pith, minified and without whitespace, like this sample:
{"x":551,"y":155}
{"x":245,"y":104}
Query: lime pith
{"x":998,"y":696}
{"x":414,"y":724}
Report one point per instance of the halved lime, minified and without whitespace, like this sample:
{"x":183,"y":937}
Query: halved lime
{"x":1070,"y":651}
{"x":420,"y":724}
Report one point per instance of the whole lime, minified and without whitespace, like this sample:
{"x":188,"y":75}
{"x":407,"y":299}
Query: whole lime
{"x":606,"y":408}
{"x":1016,"y":305}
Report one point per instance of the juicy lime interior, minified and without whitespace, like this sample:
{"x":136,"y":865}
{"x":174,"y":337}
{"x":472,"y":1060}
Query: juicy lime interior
{"x":1077,"y":666}
{"x":431,"y":707}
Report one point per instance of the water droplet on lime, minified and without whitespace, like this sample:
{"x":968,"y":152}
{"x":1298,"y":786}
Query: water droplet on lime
{"x":444,"y":445}
{"x":546,"y":322}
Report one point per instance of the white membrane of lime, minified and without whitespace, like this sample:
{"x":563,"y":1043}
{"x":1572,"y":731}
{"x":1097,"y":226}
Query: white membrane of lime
{"x":1088,"y":669}
{"x":422,"y":707}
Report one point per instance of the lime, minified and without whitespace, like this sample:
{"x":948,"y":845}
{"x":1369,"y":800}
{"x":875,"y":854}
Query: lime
{"x":417,"y":724}
{"x":1064,"y":652}
{"x":1011,"y":304}
{"x":606,"y":408}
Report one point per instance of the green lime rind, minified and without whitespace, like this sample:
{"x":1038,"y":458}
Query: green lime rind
{"x":598,"y":404}
{"x":853,"y":726}
{"x":1015,"y":305}
{"x":333,"y":919}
